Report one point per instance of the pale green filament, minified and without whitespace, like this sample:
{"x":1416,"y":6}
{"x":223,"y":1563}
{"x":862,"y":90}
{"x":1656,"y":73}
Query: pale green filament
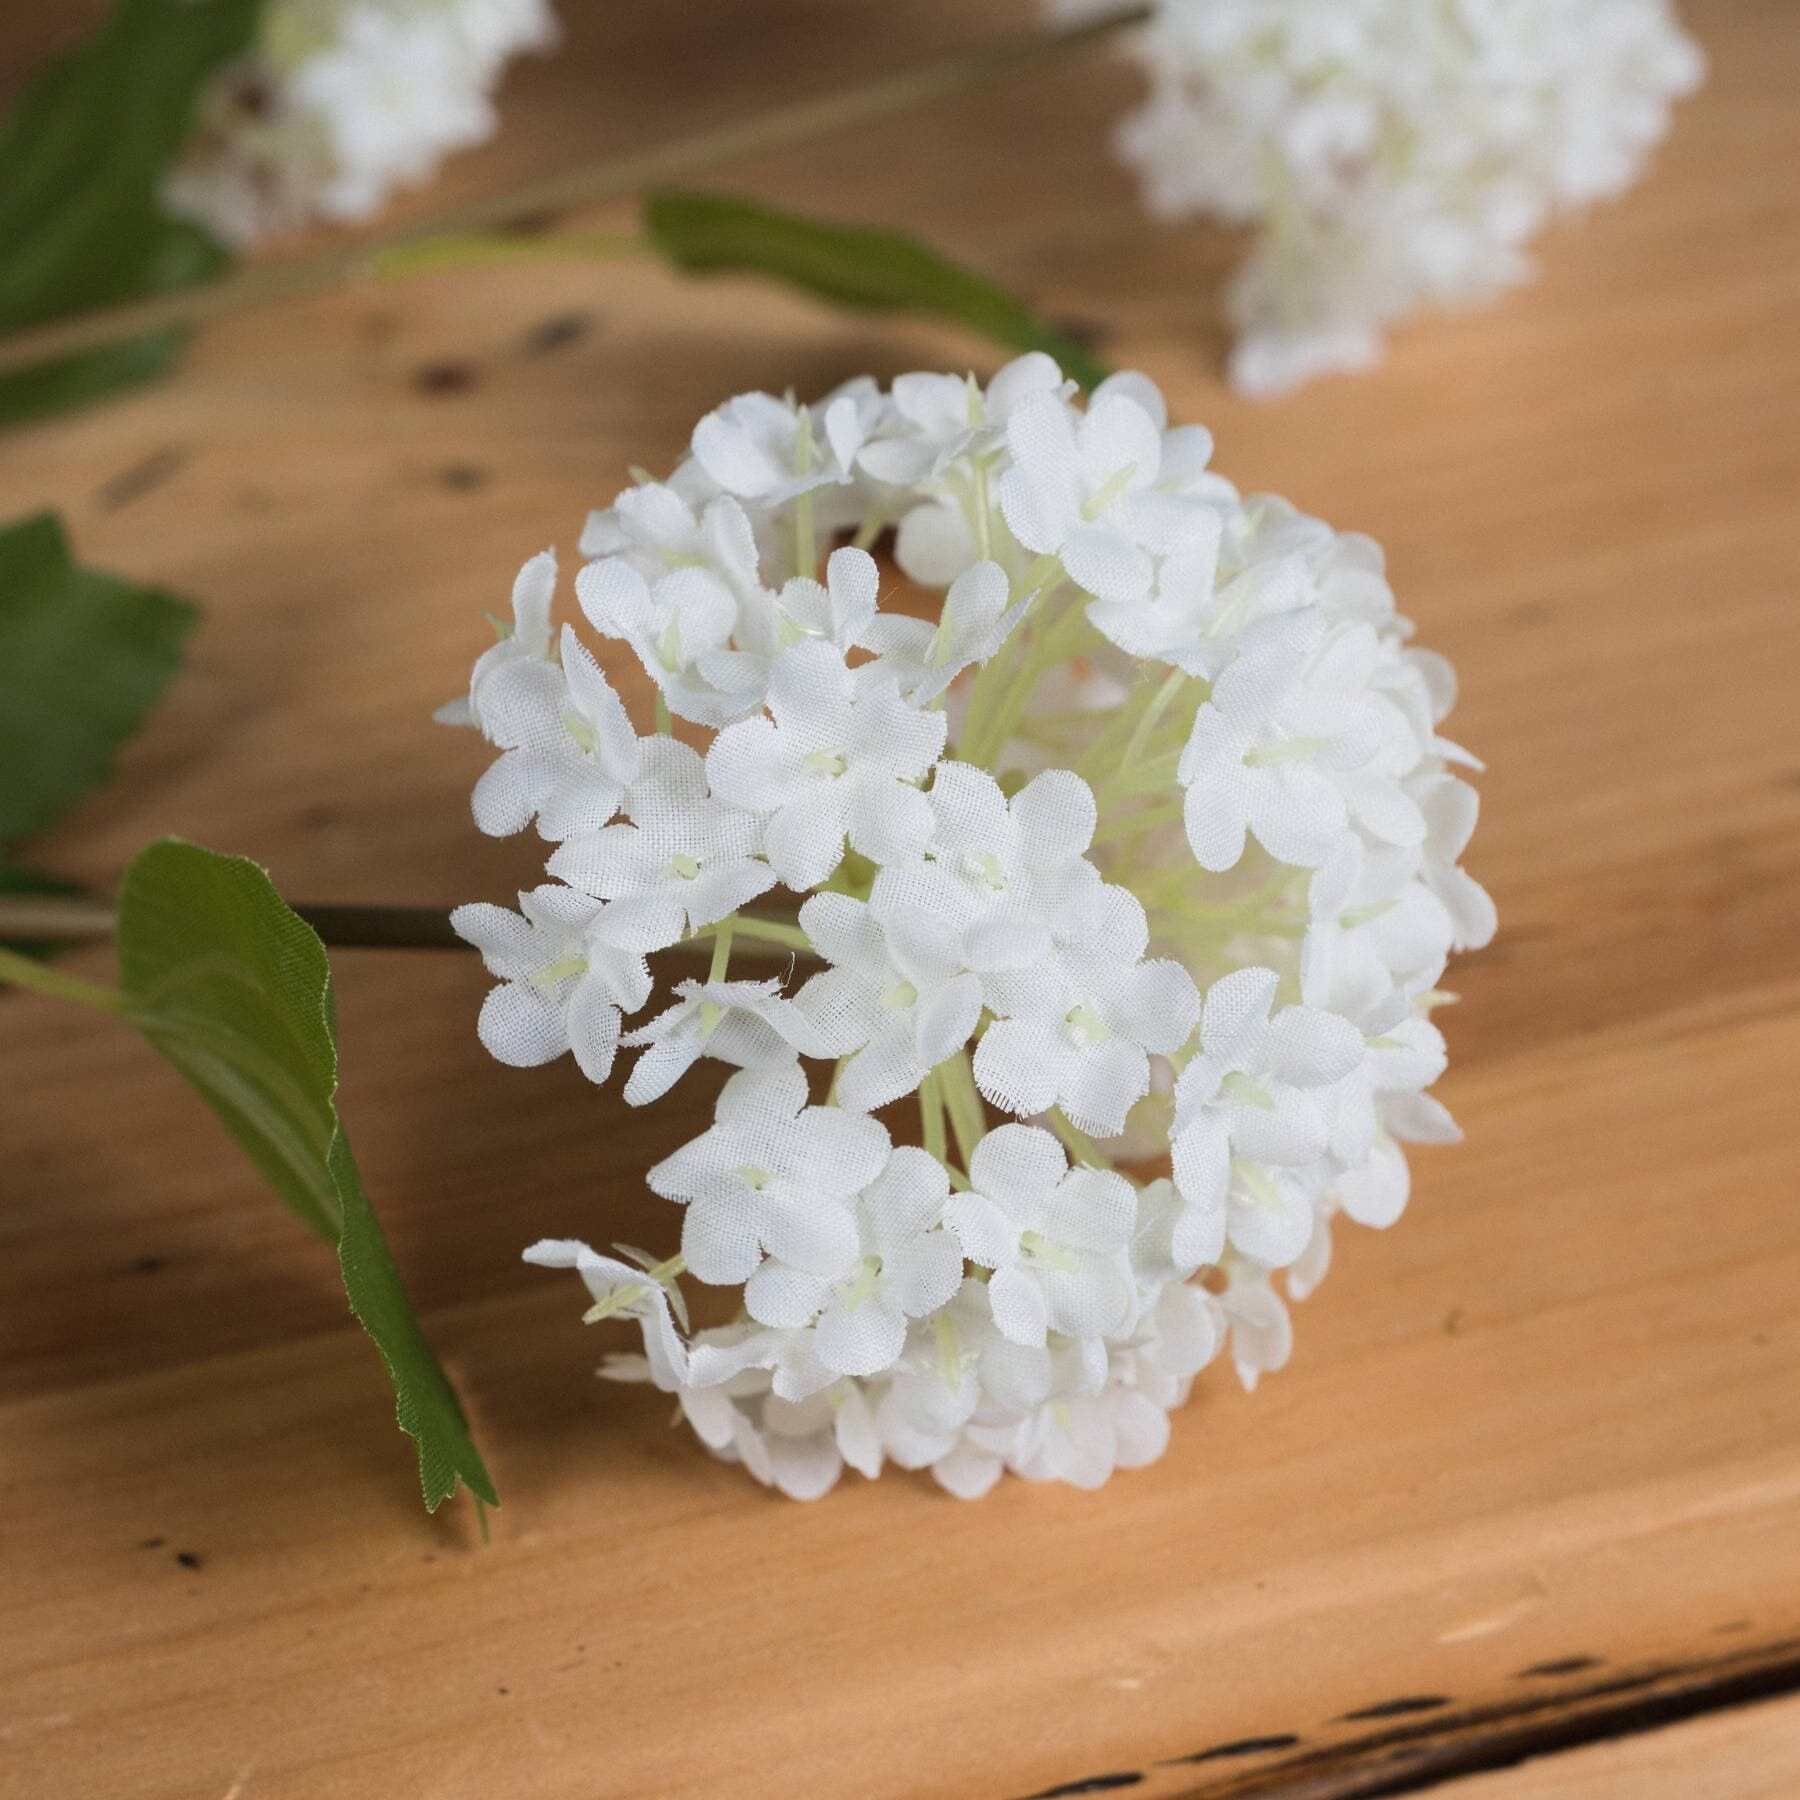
{"x":564,"y":966}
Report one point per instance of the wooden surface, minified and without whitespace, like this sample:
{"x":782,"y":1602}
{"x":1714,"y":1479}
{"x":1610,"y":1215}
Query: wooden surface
{"x":1538,"y":1454}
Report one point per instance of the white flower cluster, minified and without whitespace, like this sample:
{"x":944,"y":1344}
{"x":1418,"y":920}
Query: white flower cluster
{"x":340,"y":102}
{"x":1388,"y":154}
{"x":1140,"y":845}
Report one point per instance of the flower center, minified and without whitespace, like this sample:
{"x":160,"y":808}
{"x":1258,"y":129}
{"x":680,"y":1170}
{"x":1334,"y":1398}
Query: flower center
{"x":900,"y":995}
{"x":1039,"y":1249}
{"x":857,"y":1291}
{"x":683,"y":865}
{"x":1085,"y":1026}
{"x":1239,"y":1087}
{"x":829,"y":763}
{"x":564,"y":966}
{"x":1287,"y":750}
{"x":1103,"y":496}
{"x":754,"y":1178}
{"x":1256,"y":1183}
{"x":581,"y":731}
{"x":985,"y":865}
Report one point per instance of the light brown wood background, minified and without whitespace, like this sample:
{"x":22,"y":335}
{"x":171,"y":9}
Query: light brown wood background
{"x":1539,"y":1449}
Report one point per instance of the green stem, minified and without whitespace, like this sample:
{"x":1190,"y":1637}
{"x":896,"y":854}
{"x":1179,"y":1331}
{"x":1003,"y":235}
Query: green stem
{"x":1081,"y":1147}
{"x":756,"y":925}
{"x":721,"y":954}
{"x":41,"y":978}
{"x":967,"y":1119}
{"x":654,"y":165}
{"x":1131,"y":825}
{"x":474,"y":249}
{"x":1159,"y":704}
{"x":931,"y":1116}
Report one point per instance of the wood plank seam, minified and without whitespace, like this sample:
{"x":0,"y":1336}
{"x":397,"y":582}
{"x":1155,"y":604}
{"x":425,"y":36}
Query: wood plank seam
{"x":1476,"y":1739}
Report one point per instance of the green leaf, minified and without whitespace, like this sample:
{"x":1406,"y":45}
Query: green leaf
{"x":235,"y":990}
{"x":850,"y":265}
{"x":84,"y":151}
{"x":83,"y":657}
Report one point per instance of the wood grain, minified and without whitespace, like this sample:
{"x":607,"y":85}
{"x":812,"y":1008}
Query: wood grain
{"x":1543,"y":1434}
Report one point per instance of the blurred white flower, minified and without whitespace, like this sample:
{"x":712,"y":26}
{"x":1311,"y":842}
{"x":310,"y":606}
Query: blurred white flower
{"x":1388,"y":154}
{"x":338,"y":103}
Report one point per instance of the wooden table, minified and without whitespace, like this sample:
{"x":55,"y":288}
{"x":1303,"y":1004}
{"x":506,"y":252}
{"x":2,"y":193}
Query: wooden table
{"x":1533,"y":1478}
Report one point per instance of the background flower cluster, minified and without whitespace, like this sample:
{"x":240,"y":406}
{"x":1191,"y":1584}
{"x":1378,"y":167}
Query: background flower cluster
{"x":1388,"y":154}
{"x":341,"y":102}
{"x":1127,"y":875}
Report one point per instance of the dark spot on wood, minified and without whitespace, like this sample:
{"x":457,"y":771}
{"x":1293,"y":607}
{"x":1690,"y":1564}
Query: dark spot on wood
{"x":155,"y":1543}
{"x":556,"y":333}
{"x":444,"y":378}
{"x":1531,"y":612}
{"x":145,"y":475}
{"x":1088,"y":333}
{"x":463,"y":478}
{"x":189,"y":1559}
{"x":1561,"y":1665}
{"x":502,"y":1691}
{"x":147,"y":1265}
{"x":1730,"y":1626}
{"x":1453,"y":1322}
{"x":1396,"y":1709}
{"x":1091,"y":1784}
{"x":1251,"y":1746}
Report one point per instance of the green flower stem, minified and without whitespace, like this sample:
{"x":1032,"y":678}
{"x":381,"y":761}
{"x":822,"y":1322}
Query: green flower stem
{"x":1159,"y":704}
{"x":618,"y":177}
{"x":40,"y":978}
{"x":753,"y":925}
{"x":475,"y":249}
{"x":721,"y":954}
{"x":1145,"y":777}
{"x":931,"y":1116}
{"x":81,"y":919}
{"x":1055,"y":644}
{"x":967,"y":1119}
{"x":994,"y":678}
{"x":1081,"y":1147}
{"x":1130,"y":825}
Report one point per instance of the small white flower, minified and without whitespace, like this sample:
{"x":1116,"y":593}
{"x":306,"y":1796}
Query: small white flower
{"x":1076,"y":1029}
{"x":562,"y":984}
{"x":625,"y":1292}
{"x":773,"y":1175}
{"x":1057,"y":1239}
{"x":684,"y":861}
{"x":834,"y":758}
{"x":568,"y":749}
{"x":898,"y":999}
{"x":905,"y":1266}
{"x":747,"y":1023}
{"x":977,"y":617}
{"x":675,"y":625}
{"x":527,"y":638}
{"x":1016,"y":861}
{"x":1285,"y":750}
{"x":1083,"y":488}
{"x":1247,"y":1113}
